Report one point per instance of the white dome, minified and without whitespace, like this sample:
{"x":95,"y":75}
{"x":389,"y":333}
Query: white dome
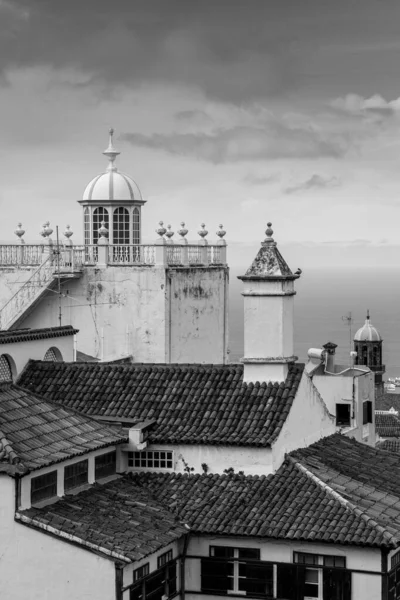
{"x":112,"y":185}
{"x":367,"y":333}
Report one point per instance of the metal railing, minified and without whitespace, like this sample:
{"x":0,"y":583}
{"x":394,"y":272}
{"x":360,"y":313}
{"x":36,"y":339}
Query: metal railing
{"x":27,"y":293}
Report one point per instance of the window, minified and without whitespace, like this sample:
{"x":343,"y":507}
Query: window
{"x":241,"y":572}
{"x":367,"y":412}
{"x":164,"y":558}
{"x":151,"y":459}
{"x":99,"y":214}
{"x":141,"y":572}
{"x":43,"y":487}
{"x":5,"y":369}
{"x":75,"y":475}
{"x":86,"y":226}
{"x":136,"y":226}
{"x":330,"y":583}
{"x":121,"y":226}
{"x":342,"y":415}
{"x":155,"y":585}
{"x":52,"y":355}
{"x":105,"y":465}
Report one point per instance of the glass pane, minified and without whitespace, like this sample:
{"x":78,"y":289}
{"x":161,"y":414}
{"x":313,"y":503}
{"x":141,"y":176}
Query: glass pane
{"x":222,"y":551}
{"x":311,"y":590}
{"x":253,"y":586}
{"x":255,"y":571}
{"x":311,"y":576}
{"x":251,"y":553}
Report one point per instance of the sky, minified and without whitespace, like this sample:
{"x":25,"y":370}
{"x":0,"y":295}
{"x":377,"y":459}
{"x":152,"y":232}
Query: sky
{"x":236,"y":112}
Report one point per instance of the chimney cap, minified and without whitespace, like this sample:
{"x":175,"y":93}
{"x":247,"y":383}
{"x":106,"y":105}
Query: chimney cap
{"x":330,"y":347}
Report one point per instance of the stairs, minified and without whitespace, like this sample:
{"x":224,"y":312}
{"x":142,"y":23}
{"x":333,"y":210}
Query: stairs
{"x":43,"y":279}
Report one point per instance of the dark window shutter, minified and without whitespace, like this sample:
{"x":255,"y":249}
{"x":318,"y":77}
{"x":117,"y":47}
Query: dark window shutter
{"x":337,"y":585}
{"x":287,"y":582}
{"x":369,"y":411}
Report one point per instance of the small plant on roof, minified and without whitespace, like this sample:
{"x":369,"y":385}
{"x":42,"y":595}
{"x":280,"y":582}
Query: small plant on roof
{"x":187,"y":469}
{"x":205,"y":467}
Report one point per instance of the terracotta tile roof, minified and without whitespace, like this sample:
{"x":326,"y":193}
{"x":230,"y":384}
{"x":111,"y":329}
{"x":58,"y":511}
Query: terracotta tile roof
{"x":387,"y":401}
{"x":288,"y":505}
{"x":36,"y":433}
{"x":23,"y":335}
{"x":116,"y":517}
{"x":387,"y":425}
{"x":390,"y":445}
{"x":192,"y":404}
{"x":367,"y":478}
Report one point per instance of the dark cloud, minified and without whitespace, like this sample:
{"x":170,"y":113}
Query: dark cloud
{"x":314,"y":182}
{"x":242,"y":143}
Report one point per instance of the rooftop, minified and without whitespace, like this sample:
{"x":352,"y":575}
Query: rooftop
{"x":26,"y":335}
{"x":192,"y":404}
{"x":387,"y":401}
{"x":35,"y":433}
{"x":387,"y":425}
{"x":392,"y":445}
{"x":117,"y":518}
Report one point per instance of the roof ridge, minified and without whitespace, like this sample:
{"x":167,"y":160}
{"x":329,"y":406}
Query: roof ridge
{"x":346,"y":503}
{"x":320,"y":398}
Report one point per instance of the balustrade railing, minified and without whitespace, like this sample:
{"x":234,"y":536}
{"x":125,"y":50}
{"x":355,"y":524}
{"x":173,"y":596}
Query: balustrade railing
{"x":21,"y":254}
{"x":126,"y":254}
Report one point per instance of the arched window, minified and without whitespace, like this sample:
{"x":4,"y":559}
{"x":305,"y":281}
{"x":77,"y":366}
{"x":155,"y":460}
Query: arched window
{"x":136,"y":226}
{"x":86,"y":226}
{"x":5,"y":369}
{"x":365,"y":355}
{"x":375,"y":356}
{"x":100,"y":214}
{"x":53,"y":355}
{"x":121,"y":226}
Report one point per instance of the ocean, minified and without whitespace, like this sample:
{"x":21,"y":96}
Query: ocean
{"x":323,"y":298}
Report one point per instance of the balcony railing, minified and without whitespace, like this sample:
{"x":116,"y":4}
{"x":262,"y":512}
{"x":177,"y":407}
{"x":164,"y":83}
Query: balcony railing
{"x":73,"y":258}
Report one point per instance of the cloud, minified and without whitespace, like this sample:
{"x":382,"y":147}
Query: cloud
{"x":353,"y":103}
{"x":314,"y":182}
{"x":276,"y":140}
{"x":254,"y":179}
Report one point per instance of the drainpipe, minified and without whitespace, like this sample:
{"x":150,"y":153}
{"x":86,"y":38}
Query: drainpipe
{"x":182,"y":564}
{"x":119,"y":580}
{"x":17,"y":490}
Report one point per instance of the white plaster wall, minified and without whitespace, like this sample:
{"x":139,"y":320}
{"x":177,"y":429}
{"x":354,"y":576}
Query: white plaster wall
{"x":363,"y":586}
{"x":11,"y":279}
{"x":35,"y":566}
{"x":118,"y":310}
{"x":308,"y":421}
{"x":21,"y":352}
{"x":197,"y":303}
{"x":251,"y":460}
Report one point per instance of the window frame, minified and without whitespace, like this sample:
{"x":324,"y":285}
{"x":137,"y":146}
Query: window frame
{"x":53,"y":484}
{"x":167,"y":577}
{"x":5,"y":369}
{"x":76,"y":476}
{"x":341,"y":422}
{"x":142,"y":459}
{"x":98,"y":468}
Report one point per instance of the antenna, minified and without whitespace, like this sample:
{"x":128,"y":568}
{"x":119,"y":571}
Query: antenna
{"x":58,"y":278}
{"x":348,"y":319}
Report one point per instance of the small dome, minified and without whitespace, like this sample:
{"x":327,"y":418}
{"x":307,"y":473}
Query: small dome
{"x":367,"y":333}
{"x":112,"y":185}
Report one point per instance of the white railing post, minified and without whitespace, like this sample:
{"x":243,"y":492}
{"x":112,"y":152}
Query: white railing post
{"x":19,"y":232}
{"x":69,"y":255}
{"x":184,"y":248}
{"x":222,"y":244}
{"x":204,"y":245}
{"x":161,"y":247}
{"x":102,"y":257}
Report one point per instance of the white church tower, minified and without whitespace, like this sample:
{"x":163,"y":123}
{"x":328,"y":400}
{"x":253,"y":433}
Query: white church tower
{"x":268,"y":292}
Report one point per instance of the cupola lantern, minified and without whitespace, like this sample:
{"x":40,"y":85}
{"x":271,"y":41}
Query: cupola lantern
{"x":368,"y":346}
{"x":114,"y":198}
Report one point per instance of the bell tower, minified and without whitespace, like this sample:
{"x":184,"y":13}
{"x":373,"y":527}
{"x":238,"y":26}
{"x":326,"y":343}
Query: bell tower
{"x":268,"y":292}
{"x":368,"y":345}
{"x":115,"y":199}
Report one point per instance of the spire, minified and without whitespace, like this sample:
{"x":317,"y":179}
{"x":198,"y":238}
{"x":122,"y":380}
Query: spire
{"x":367,"y":314}
{"x":111,"y":152}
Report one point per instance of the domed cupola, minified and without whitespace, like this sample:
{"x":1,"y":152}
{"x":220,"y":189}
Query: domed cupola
{"x":115,"y":198}
{"x":368,"y":345}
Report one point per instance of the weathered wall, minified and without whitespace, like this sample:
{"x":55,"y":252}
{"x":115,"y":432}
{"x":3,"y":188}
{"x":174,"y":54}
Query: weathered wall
{"x":251,"y":460}
{"x":364,"y":559}
{"x":197,"y":307}
{"x":118,"y":311}
{"x":36,"y":566}
{"x":153,"y":313}
{"x":307,"y":422}
{"x":21,"y":352}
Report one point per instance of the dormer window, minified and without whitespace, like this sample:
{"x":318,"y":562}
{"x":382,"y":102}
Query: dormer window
{"x":43,"y":487}
{"x":151,"y":459}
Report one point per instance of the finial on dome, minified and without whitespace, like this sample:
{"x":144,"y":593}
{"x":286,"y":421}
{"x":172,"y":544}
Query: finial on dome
{"x":268,"y":232}
{"x":367,"y":314}
{"x":111,"y":152}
